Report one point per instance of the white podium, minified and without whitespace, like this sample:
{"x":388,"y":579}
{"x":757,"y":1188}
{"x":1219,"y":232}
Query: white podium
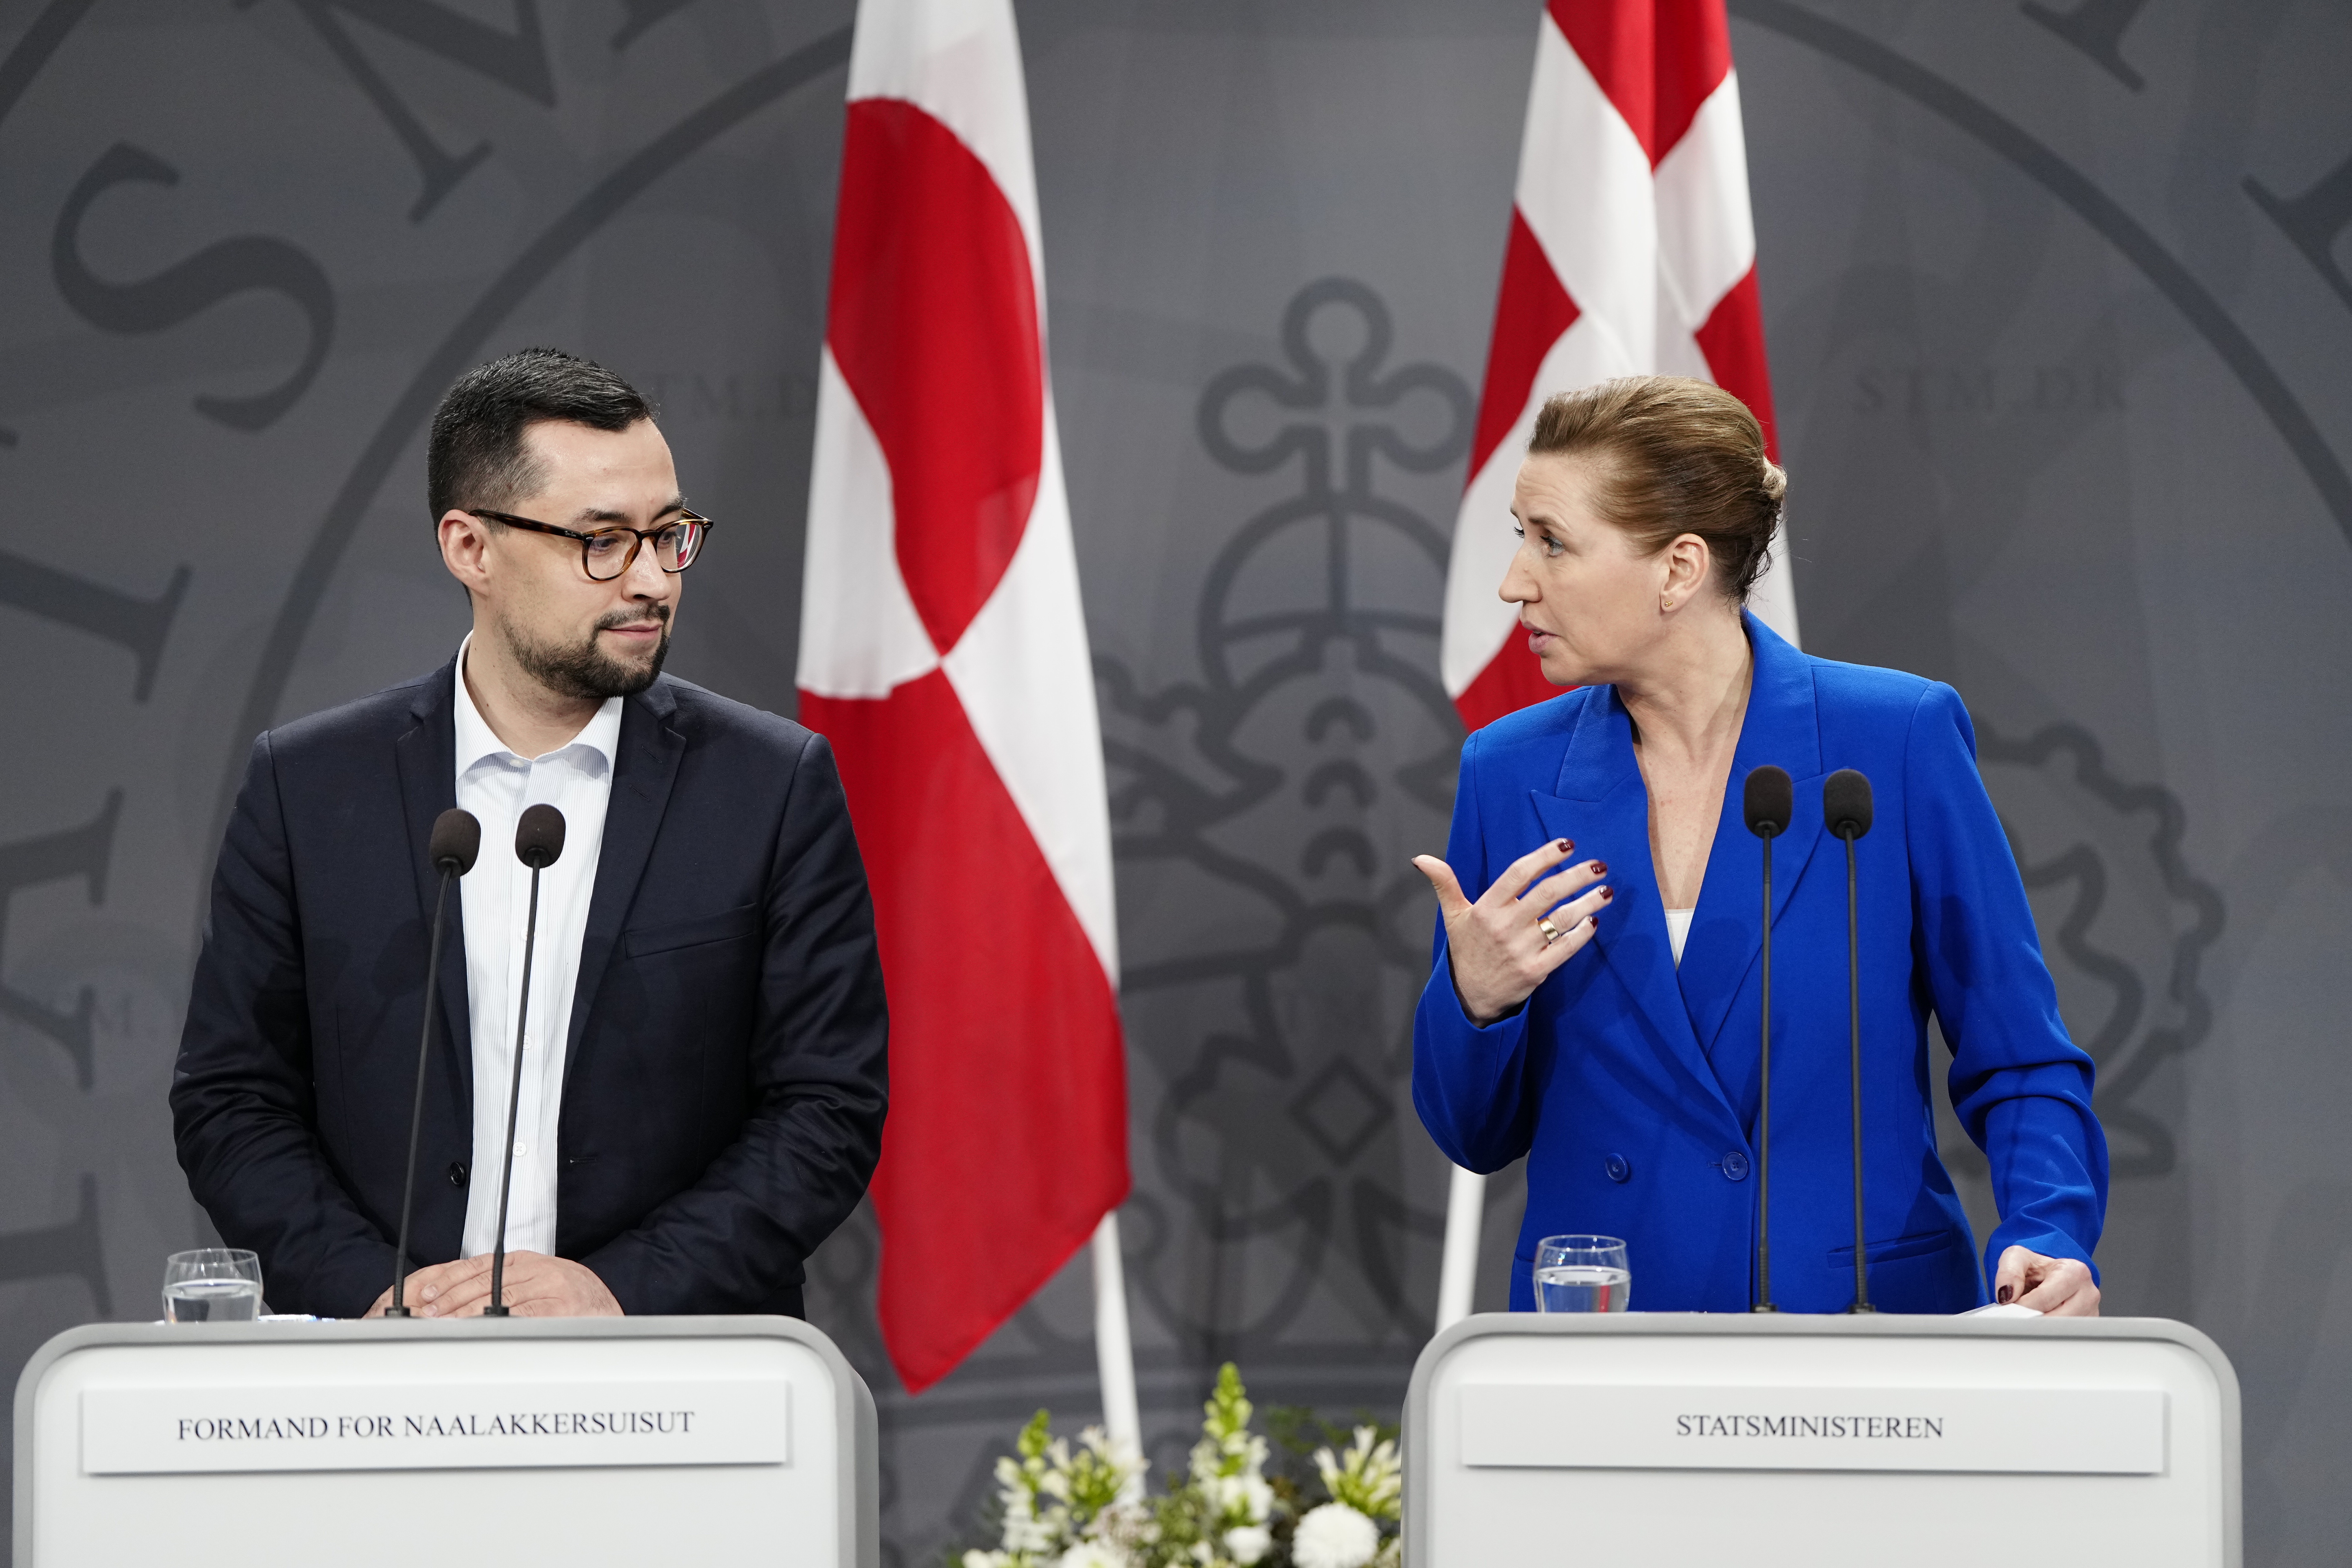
{"x":1674,"y":1438}
{"x":581,"y":1441}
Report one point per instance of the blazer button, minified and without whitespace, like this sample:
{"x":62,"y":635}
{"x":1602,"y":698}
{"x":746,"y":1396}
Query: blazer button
{"x":1735,"y":1166}
{"x":1618,"y":1168}
{"x":457,"y":1172}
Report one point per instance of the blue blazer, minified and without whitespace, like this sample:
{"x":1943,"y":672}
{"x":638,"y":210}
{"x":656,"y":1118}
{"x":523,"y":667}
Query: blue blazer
{"x":726,"y":1075}
{"x":1631,"y":1087}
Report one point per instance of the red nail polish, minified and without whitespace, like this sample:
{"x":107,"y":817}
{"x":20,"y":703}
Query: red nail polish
{"x":2006,"y":1293}
{"x":1565,"y":847}
{"x":1607,"y":894}
{"x":1600,"y":869}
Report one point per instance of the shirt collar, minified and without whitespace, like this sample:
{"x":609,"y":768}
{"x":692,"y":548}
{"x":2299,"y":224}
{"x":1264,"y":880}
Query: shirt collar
{"x":475,"y":741}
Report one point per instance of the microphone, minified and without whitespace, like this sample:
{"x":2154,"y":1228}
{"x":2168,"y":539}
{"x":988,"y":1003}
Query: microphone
{"x":456,"y":840}
{"x":538,"y":839}
{"x":1845,"y":806}
{"x":1771,"y":800}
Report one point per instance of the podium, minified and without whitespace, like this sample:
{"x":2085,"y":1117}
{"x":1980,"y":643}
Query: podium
{"x":1674,"y":1438}
{"x":580,"y":1440}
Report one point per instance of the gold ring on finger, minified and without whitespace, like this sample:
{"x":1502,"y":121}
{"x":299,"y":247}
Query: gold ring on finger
{"x":1551,"y":932}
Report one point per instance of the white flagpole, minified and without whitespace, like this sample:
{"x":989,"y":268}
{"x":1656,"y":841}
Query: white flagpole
{"x":1457,"y":1273}
{"x":1114,"y":1350}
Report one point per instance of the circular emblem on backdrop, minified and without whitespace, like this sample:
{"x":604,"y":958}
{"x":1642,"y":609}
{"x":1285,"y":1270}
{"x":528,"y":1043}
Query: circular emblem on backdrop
{"x":2125,"y":925}
{"x":1265,"y":816}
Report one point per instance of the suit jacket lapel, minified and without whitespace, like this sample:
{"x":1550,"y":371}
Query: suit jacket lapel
{"x":1726,"y":933}
{"x":1604,"y":807}
{"x":642,"y":775}
{"x":426,"y":759}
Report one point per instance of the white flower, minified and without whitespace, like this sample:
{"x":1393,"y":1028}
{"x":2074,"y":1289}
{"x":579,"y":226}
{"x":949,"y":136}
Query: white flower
{"x":1092,"y":1554}
{"x":986,"y":1560}
{"x":1334,"y":1536}
{"x":1367,"y":1477}
{"x":1248,"y":1544}
{"x":1245,"y":1497}
{"x":1124,"y":1530}
{"x":1024,"y":1530}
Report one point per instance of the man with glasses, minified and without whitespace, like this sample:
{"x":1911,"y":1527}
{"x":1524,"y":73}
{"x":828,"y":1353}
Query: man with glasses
{"x":703,"y":1074}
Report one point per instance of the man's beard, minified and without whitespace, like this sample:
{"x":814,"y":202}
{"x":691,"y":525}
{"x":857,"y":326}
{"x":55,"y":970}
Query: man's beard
{"x":584,"y":671}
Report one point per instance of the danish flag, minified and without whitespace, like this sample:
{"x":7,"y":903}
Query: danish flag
{"x":1632,"y":251}
{"x":944,"y":656}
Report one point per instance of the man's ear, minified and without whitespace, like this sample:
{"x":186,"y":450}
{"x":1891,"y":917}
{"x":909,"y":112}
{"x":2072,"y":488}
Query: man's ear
{"x":465,"y":549}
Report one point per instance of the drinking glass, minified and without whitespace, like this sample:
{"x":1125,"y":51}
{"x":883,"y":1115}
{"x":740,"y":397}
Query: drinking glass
{"x":212,"y":1285}
{"x":1581,"y":1274}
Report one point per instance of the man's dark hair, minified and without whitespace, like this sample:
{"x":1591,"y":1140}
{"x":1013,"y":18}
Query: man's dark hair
{"x":477,"y":456}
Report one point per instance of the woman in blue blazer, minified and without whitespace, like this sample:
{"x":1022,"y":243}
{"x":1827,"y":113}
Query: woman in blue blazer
{"x":1567,"y":1020}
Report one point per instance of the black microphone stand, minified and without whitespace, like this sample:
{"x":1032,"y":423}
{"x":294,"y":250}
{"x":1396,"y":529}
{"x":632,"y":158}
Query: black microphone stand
{"x":497,"y":1307}
{"x":1853,"y":989}
{"x":1764,"y":1112}
{"x":1768,"y":805}
{"x":456,"y":840}
{"x":417,"y":1112}
{"x":538,"y":839}
{"x":1846,"y":809}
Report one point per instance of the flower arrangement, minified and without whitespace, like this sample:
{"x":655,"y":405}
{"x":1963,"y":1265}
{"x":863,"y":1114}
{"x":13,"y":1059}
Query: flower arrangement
{"x":1086,"y":1507}
{"x":1064,"y":1509}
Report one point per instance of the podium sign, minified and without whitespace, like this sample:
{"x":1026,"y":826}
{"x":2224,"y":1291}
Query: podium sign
{"x":175,"y":1430}
{"x":736,"y":1440}
{"x":1687,"y":1438}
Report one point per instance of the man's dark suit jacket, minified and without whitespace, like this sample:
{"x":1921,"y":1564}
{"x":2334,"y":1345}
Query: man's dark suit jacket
{"x":725,"y":1076}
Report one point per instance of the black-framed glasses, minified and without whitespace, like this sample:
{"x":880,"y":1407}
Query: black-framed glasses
{"x":606,"y":552}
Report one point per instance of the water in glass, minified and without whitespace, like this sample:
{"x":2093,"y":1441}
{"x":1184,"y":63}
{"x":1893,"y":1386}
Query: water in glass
{"x":212,"y":1285}
{"x":1582,"y":1288}
{"x":1582,"y":1274}
{"x":212,"y":1300}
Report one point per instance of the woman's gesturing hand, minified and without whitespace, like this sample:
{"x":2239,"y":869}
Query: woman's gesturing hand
{"x":1535,"y":918}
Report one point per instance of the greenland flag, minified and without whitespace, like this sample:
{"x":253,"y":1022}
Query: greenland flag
{"x":1631,"y":252}
{"x":944,"y":656}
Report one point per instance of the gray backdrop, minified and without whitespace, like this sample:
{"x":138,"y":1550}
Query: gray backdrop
{"x":2060,"y":327}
